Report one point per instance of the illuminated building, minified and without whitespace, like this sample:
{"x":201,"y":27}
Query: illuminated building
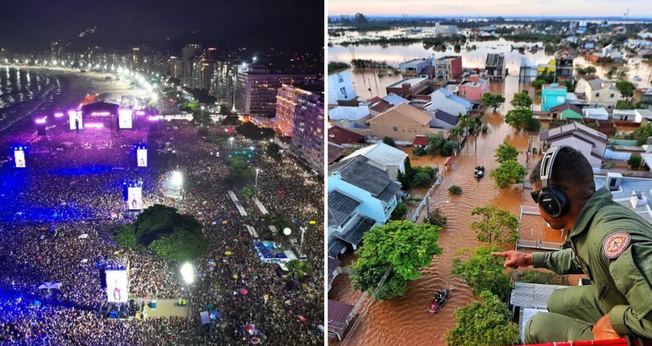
{"x":256,"y":89}
{"x":308,"y":131}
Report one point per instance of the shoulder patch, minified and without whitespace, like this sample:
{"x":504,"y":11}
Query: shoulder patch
{"x":615,"y":244}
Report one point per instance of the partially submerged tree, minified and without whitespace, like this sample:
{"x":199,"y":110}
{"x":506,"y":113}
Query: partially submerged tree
{"x":498,"y":226}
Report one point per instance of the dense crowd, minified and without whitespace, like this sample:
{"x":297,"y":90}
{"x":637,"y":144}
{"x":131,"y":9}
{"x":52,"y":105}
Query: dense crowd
{"x":56,"y":218}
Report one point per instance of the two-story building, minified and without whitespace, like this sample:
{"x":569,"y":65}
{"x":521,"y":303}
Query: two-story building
{"x":474,"y":88}
{"x":495,"y":65}
{"x":414,"y":68}
{"x":598,"y":93}
{"x":360,"y":195}
{"x":340,"y":90}
{"x":402,"y":123}
{"x":448,"y":67}
{"x":552,"y":95}
{"x":408,"y":87}
{"x":448,"y":102}
{"x":590,"y":142}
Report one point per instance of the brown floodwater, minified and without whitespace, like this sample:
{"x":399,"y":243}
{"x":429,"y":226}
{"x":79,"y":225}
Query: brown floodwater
{"x":405,"y":320}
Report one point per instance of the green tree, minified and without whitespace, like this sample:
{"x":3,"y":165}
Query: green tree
{"x":508,"y":173}
{"x":519,"y":118}
{"x":251,"y":131}
{"x":540,"y":277}
{"x":455,"y":189}
{"x":230,"y":120}
{"x":298,"y":269}
{"x":389,"y":141}
{"x":247,"y":193}
{"x":201,"y":117}
{"x":435,"y":143}
{"x":610,"y":73}
{"x":421,"y":179}
{"x":436,"y":218}
{"x":635,"y":161}
{"x":182,"y":245}
{"x":498,"y":226}
{"x":400,"y":211}
{"x":274,"y":151}
{"x":126,"y":236}
{"x":448,"y":148}
{"x":537,"y":84}
{"x":405,"y":246}
{"x":483,"y":323}
{"x":590,"y":70}
{"x":522,"y":100}
{"x":482,"y":271}
{"x":160,"y":228}
{"x":506,"y":152}
{"x":642,"y":133}
{"x":626,"y":88}
{"x":492,"y":100}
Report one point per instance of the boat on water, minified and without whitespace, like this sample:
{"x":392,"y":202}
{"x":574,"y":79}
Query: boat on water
{"x":439,"y":300}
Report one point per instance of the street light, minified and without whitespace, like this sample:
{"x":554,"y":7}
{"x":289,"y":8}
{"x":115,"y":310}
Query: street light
{"x":188,"y":275}
{"x":257,"y":171}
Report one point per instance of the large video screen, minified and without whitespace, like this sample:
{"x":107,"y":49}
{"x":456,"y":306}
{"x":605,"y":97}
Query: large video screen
{"x":19,"y":156}
{"x":141,"y":155}
{"x":135,"y":198}
{"x":75,"y":119}
{"x":125,"y":118}
{"x":116,"y":286}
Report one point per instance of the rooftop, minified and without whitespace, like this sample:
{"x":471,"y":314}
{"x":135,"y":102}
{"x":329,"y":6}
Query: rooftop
{"x":407,"y":111}
{"x":394,"y":99}
{"x":340,"y":206}
{"x":339,"y":135}
{"x":382,"y":153}
{"x":360,"y":172}
{"x":479,"y":83}
{"x":495,"y":59}
{"x":412,"y":81}
{"x":570,"y":129}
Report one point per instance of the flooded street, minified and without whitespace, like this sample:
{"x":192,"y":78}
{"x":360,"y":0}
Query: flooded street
{"x":406,"y":320}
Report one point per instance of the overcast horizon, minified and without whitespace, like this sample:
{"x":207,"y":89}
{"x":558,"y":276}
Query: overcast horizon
{"x":484,"y":8}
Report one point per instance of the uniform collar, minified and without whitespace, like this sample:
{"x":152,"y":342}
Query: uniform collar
{"x":600,"y":198}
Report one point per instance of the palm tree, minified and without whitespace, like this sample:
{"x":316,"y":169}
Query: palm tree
{"x":298,"y":269}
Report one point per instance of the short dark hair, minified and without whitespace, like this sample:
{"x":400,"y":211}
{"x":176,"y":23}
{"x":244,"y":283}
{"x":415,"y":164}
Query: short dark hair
{"x":570,"y":168}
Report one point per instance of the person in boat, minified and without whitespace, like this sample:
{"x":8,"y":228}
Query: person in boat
{"x":610,"y":244}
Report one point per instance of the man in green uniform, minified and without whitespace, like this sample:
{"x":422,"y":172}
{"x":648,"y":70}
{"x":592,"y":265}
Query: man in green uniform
{"x":610,"y":244}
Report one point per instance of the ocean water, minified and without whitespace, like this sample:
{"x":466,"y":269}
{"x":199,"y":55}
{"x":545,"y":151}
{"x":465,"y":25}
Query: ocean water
{"x":22,"y":85}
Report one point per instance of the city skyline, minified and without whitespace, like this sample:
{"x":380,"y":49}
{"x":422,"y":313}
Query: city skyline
{"x":438,"y":8}
{"x":30,"y":26}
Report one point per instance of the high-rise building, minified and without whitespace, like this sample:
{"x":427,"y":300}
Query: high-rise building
{"x":189,"y":55}
{"x":224,"y":81}
{"x":256,"y":89}
{"x":202,"y":73}
{"x":308,"y":131}
{"x":286,"y":104}
{"x":175,"y":67}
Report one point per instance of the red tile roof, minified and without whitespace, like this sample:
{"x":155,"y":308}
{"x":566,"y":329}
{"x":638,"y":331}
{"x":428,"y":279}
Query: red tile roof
{"x":420,"y":141}
{"x":339,"y":136}
{"x":334,"y":152}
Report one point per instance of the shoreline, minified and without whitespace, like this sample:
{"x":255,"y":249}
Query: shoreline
{"x":77,"y":86}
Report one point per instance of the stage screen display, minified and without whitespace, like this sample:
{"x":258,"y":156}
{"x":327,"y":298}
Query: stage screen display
{"x":75,"y":118}
{"x":141,"y":154}
{"x":19,"y":156}
{"x":116,"y":286}
{"x":125,"y":118}
{"x":135,"y":198}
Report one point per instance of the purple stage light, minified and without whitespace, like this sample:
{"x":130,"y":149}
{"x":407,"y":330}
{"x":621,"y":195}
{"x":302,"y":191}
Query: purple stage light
{"x":152,"y":118}
{"x":58,"y":114}
{"x":72,"y":113}
{"x":41,"y":121}
{"x":94,"y":125}
{"x":100,"y":113}
{"x":140,"y":112}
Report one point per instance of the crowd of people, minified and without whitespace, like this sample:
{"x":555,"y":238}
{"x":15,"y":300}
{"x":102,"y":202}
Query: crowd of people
{"x":56,"y":219}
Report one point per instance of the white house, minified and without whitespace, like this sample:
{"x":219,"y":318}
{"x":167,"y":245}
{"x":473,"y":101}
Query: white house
{"x":384,"y":156}
{"x":359,"y":114}
{"x":360,"y":195}
{"x":590,"y":142}
{"x":599,"y":113}
{"x":448,"y":102}
{"x":340,"y":88}
{"x":641,"y":114}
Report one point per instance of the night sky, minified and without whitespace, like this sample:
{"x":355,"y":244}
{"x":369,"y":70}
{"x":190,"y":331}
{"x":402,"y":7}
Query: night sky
{"x":30,"y":25}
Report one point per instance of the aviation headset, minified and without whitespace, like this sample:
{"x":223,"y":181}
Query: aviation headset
{"x":552,"y":199}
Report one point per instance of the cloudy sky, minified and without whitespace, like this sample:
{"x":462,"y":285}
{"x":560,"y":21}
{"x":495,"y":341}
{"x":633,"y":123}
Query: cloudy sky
{"x":580,"y":8}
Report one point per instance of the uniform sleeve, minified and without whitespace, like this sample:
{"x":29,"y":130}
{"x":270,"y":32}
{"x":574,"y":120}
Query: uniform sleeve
{"x":632,"y":273}
{"x":561,"y":262}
